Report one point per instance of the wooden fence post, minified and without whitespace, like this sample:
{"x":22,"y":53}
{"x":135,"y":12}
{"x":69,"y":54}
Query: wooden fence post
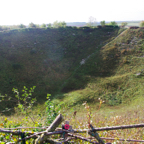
{"x":95,"y":134}
{"x":51,"y":128}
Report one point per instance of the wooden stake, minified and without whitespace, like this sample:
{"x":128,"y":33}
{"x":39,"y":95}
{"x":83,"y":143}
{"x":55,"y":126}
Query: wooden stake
{"x":51,"y":128}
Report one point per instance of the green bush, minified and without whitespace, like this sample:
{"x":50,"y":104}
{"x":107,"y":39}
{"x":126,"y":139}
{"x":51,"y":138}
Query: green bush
{"x":102,"y":23}
{"x":22,"y":26}
{"x":142,"y":24}
{"x":32,"y":25}
{"x":113,"y":23}
{"x":123,"y":24}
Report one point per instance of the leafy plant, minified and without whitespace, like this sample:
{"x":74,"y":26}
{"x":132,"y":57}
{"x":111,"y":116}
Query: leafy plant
{"x":142,"y":24}
{"x":51,"y":111}
{"x":113,"y":23}
{"x":32,"y":25}
{"x":25,"y":102}
{"x":102,"y":23}
{"x":123,"y":24}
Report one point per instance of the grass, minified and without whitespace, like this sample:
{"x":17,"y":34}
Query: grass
{"x":113,"y":71}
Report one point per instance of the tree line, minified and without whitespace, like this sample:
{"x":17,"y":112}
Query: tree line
{"x":57,"y":24}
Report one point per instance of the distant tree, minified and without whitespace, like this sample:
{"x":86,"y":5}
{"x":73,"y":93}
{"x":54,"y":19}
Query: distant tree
{"x":123,"y":24}
{"x":32,"y":25}
{"x":49,"y":25}
{"x":21,"y":26}
{"x":43,"y":26}
{"x":91,"y":22}
{"x":37,"y":26}
{"x":62,"y":24}
{"x":1,"y":28}
{"x":113,"y":23}
{"x":102,"y":23}
{"x":142,"y":24}
{"x":57,"y":24}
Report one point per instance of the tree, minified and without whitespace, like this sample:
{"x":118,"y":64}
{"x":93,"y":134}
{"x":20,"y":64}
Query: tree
{"x":32,"y":25}
{"x":62,"y":24}
{"x":123,"y":24}
{"x":142,"y":24}
{"x":57,"y":24}
{"x":113,"y":23}
{"x":49,"y":25}
{"x":92,"y":21}
{"x":1,"y":28}
{"x":22,"y":26}
{"x":43,"y":26}
{"x":102,"y":23}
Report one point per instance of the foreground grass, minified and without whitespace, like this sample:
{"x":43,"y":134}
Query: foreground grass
{"x":107,"y":116}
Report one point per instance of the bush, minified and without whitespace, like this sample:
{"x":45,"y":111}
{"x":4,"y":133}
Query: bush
{"x":57,"y":24}
{"x":32,"y":25}
{"x":22,"y":26}
{"x":102,"y":23}
{"x":123,"y":24}
{"x":142,"y":24}
{"x":113,"y":23}
{"x":43,"y":26}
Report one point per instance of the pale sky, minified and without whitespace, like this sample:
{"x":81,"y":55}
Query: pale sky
{"x":47,"y":11}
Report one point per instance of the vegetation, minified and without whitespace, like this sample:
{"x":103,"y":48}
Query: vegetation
{"x":74,"y":65}
{"x":102,"y":23}
{"x":49,"y":25}
{"x":32,"y":25}
{"x":113,"y":23}
{"x":43,"y":26}
{"x":22,"y":26}
{"x":142,"y":24}
{"x":123,"y":24}
{"x":57,"y":24}
{"x":91,"y":22}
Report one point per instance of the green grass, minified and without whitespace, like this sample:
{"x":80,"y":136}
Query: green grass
{"x":46,"y":58}
{"x":113,"y":71}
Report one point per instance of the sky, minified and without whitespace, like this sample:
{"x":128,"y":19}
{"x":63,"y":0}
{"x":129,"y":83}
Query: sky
{"x":14,"y":12}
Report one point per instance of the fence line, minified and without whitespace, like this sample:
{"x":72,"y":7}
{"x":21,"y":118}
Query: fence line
{"x":52,"y":130}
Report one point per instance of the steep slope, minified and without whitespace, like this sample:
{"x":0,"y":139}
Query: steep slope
{"x":116,"y":73}
{"x":46,"y":58}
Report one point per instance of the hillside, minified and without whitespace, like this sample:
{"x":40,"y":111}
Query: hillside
{"x":81,"y":68}
{"x":48,"y":58}
{"x":116,"y":73}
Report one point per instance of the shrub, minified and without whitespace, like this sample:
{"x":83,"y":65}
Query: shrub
{"x":142,"y":24}
{"x":57,"y":24}
{"x":22,"y":26}
{"x":113,"y":23}
{"x":123,"y":24}
{"x":32,"y":25}
{"x":102,"y":23}
{"x":43,"y":26}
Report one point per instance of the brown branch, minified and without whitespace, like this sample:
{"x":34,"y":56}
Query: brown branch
{"x":122,"y":139}
{"x":24,"y":128}
{"x":119,"y":139}
{"x":51,"y":128}
{"x":36,"y":134}
{"x":15,"y":132}
{"x":82,"y":138}
{"x":111,"y":128}
{"x":120,"y":127}
{"x":95,"y":134}
{"x":48,"y":134}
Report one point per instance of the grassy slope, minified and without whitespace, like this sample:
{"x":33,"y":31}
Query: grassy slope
{"x":46,"y":58}
{"x":112,"y":72}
